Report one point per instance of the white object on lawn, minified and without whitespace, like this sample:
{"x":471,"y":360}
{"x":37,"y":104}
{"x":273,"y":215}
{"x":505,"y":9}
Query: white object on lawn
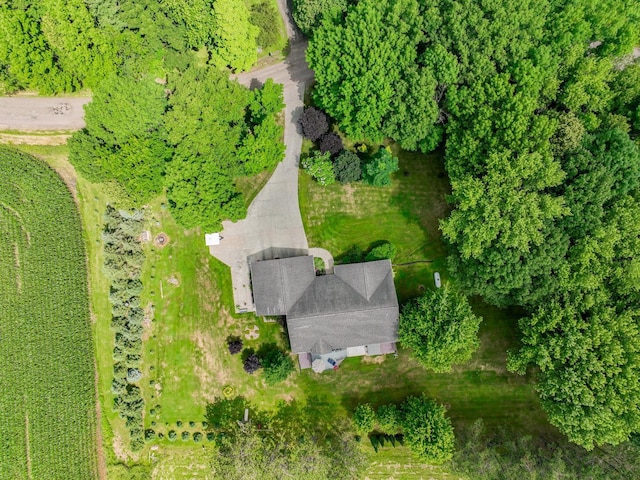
{"x":436,"y":277}
{"x":212,"y":239}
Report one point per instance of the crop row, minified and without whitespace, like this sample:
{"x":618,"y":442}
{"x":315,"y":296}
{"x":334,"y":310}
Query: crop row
{"x":47,"y":396}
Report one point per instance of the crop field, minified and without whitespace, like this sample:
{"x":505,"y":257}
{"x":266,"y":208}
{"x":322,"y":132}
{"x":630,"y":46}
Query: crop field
{"x":47,"y":392}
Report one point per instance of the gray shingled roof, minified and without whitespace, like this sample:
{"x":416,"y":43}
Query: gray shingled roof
{"x":355,"y":306}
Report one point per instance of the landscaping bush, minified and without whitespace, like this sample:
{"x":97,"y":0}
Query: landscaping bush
{"x":185,"y":436}
{"x":252,"y":364}
{"x":427,"y":430}
{"x":364,"y":418}
{"x":235,"y":346}
{"x":192,"y":424}
{"x":330,"y":142}
{"x":354,"y":254}
{"x":172,"y":435}
{"x":383,"y":251}
{"x":179,"y":423}
{"x":319,"y":166}
{"x":314,"y":123}
{"x":149,"y":434}
{"x":133,"y":375}
{"x":197,"y":437}
{"x":347,"y":167}
{"x":378,"y":170}
{"x":211,"y":436}
{"x":388,"y":417}
{"x":277,"y":366}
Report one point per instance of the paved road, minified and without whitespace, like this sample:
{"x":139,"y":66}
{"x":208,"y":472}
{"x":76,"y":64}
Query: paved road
{"x":273,"y":227}
{"x":42,"y":113}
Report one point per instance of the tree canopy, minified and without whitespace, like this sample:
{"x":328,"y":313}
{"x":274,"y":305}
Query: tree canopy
{"x":440,"y":328}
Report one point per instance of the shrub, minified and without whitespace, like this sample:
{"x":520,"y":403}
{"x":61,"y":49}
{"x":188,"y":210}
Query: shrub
{"x":308,"y":13}
{"x":197,"y":437}
{"x":354,"y":254}
{"x":185,"y":436}
{"x":388,"y":417}
{"x":149,"y":434}
{"x":133,"y":375}
{"x":319,"y":166}
{"x":192,"y":424}
{"x":330,"y":142}
{"x":252,"y":364}
{"x":235,"y":346}
{"x":265,"y":17}
{"x":427,"y":430}
{"x":160,"y":436}
{"x":347,"y":167}
{"x":383,"y":251}
{"x":137,"y":443}
{"x":277,"y":366}
{"x":364,"y":418}
{"x":314,"y":123}
{"x":211,"y":436}
{"x":378,"y":170}
{"x":179,"y":423}
{"x":205,"y":425}
{"x":172,"y":435}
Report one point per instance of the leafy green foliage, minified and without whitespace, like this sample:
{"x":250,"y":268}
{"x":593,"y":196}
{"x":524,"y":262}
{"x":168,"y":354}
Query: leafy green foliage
{"x":292,"y":446}
{"x":235,"y":37}
{"x":589,"y":360}
{"x":308,"y":13}
{"x":318,"y":165}
{"x":44,"y":324}
{"x":386,"y":250}
{"x":364,"y":418}
{"x":388,"y":418}
{"x":222,"y":414}
{"x":346,"y":167}
{"x":277,"y":365}
{"x":427,"y":430}
{"x":440,"y":328}
{"x":124,"y":134}
{"x":378,"y":170}
{"x":265,"y":17}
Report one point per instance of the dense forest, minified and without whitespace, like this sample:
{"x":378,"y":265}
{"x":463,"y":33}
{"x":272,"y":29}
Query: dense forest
{"x":538,"y":112}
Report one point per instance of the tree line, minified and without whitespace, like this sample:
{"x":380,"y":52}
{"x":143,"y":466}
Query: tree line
{"x":190,"y":138}
{"x":537,"y":110}
{"x":56,"y":46}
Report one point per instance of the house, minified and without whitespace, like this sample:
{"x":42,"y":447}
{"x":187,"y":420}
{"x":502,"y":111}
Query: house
{"x":350,"y":313}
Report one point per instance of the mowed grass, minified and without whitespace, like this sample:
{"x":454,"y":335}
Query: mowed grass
{"x":406,"y":214}
{"x":185,"y":347}
{"x":47,"y":391}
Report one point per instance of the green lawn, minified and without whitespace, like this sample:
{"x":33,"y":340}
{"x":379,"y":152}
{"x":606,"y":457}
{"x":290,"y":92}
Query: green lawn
{"x":405,"y":214}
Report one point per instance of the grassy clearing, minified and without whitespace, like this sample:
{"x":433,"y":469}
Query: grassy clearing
{"x":251,"y":186}
{"x":47,"y":392}
{"x":405,"y":214}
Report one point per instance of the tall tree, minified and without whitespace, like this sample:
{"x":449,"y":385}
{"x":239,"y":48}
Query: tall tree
{"x":440,"y":328}
{"x":235,"y":37}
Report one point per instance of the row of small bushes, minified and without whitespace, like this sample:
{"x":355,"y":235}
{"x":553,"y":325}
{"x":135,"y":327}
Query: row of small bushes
{"x":150,"y":435}
{"x":123,"y":260}
{"x":331,"y":162}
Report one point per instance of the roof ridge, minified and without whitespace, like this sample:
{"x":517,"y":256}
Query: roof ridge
{"x":350,"y":311}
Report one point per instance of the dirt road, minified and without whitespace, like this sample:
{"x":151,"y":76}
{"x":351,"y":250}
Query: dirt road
{"x":42,"y":113}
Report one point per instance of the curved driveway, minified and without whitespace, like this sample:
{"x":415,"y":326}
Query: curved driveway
{"x":273,"y":226}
